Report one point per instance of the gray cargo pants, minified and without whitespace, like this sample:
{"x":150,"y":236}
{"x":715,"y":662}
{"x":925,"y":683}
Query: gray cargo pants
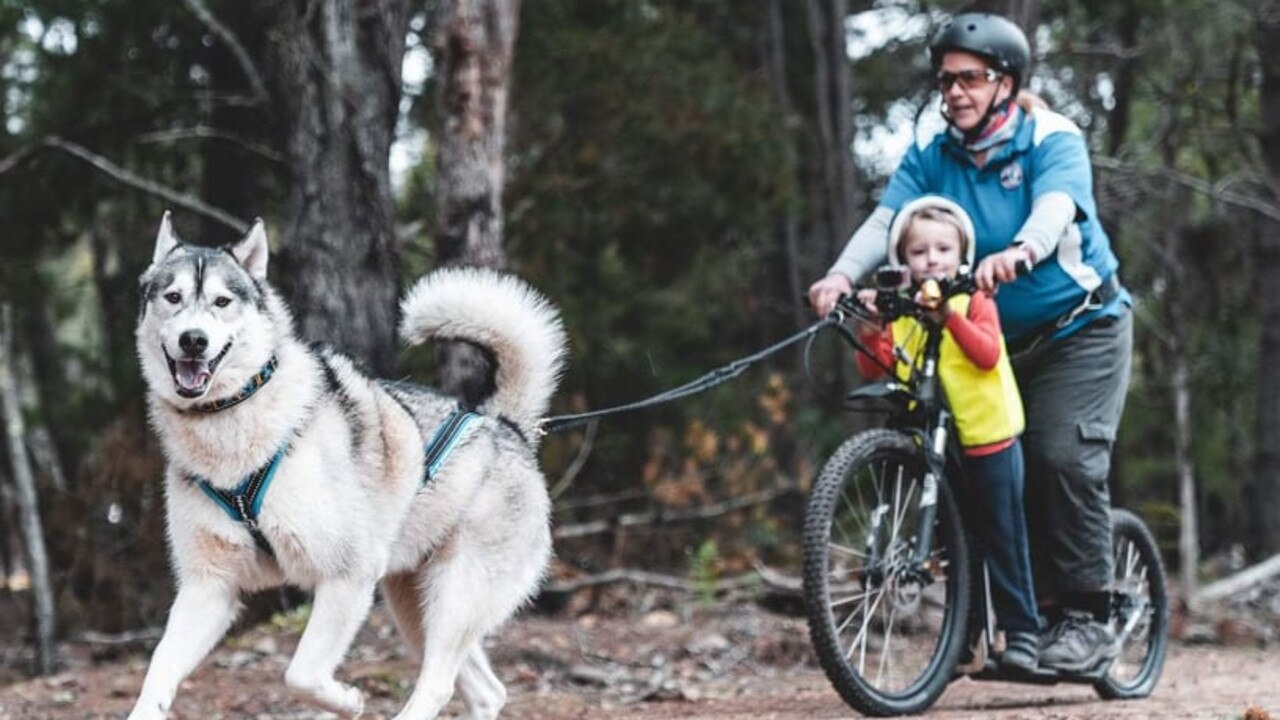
{"x":1073,"y":390}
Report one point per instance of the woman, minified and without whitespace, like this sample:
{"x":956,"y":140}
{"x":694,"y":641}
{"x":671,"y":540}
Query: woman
{"x":1024,"y":176}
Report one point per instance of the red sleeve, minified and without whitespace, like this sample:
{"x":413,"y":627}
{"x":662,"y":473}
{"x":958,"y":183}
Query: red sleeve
{"x":978,"y":335}
{"x":881,"y":344}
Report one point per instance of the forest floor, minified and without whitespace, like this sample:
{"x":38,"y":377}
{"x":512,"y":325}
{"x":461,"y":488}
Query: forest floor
{"x":736,"y":661}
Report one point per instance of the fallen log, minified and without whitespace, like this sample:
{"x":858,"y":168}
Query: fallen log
{"x":1239,"y":582}
{"x":642,"y":577}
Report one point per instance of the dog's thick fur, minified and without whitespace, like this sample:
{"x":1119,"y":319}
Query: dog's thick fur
{"x":347,"y":508}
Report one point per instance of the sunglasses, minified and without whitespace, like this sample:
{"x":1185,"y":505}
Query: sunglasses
{"x":968,"y":79}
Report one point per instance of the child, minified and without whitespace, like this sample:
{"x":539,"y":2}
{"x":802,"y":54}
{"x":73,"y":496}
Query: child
{"x":936,"y":237}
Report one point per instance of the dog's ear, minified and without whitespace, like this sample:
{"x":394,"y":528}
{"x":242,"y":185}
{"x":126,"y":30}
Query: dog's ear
{"x":252,"y":250}
{"x":166,"y":241}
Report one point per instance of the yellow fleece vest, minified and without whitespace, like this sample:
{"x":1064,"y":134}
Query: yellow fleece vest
{"x":985,"y":403}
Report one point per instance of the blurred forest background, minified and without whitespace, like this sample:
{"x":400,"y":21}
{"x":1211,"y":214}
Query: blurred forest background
{"x":672,"y":173}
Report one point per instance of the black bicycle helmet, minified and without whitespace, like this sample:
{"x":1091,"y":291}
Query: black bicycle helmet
{"x":993,"y":37}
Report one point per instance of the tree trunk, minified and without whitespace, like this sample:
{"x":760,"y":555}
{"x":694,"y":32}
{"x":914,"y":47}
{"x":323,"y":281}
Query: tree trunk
{"x":1189,"y":534}
{"x":337,"y":77}
{"x":474,"y":45}
{"x":1118,"y":120}
{"x":774,"y":53}
{"x":835,"y":198}
{"x":28,"y":505}
{"x":8,"y":559}
{"x":1263,"y":494}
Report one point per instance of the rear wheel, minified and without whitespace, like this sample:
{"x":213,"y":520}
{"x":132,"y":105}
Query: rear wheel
{"x":887,"y":631}
{"x":1141,"y":611}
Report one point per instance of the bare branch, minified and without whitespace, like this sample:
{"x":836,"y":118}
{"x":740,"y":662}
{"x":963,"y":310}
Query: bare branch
{"x":130,"y":637}
{"x":1258,"y":205}
{"x":643,"y":577}
{"x":663,"y":516}
{"x":203,"y":132}
{"x":148,"y":186}
{"x":584,"y":451}
{"x":224,"y":33}
{"x":16,"y":158}
{"x":1113,"y":50}
{"x":602,"y":499}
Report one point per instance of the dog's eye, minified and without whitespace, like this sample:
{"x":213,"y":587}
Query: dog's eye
{"x":173,"y":297}
{"x":222,"y":301}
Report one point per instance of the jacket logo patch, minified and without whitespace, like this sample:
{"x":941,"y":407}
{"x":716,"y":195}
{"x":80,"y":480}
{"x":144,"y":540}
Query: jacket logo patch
{"x":1011,"y":175}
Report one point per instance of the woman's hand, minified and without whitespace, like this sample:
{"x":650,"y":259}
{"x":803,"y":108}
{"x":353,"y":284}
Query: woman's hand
{"x":1001,"y":267}
{"x":824,"y":293}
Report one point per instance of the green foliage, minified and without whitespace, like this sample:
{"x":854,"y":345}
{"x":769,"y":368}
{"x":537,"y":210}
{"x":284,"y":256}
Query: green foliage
{"x":704,"y":570}
{"x":292,"y":621}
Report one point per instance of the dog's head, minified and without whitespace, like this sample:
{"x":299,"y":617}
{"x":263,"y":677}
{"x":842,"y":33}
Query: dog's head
{"x":203,"y":327}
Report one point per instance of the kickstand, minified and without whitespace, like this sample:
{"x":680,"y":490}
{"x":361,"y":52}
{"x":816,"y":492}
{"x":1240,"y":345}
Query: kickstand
{"x":979,"y":661}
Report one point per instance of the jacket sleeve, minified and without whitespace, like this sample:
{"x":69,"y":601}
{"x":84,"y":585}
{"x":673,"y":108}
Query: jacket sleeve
{"x":866,"y":249}
{"x":978,"y":332}
{"x":881,"y":345}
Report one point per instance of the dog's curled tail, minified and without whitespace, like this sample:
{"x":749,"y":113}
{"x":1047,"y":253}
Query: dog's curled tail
{"x":503,"y":314}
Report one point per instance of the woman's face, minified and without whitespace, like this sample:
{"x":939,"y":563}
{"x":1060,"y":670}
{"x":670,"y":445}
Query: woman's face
{"x":969,"y":86}
{"x":931,"y":248}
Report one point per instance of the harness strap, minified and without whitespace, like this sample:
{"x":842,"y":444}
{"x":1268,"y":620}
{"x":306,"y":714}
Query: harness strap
{"x":244,"y":502}
{"x":445,"y":439}
{"x":1096,"y":299}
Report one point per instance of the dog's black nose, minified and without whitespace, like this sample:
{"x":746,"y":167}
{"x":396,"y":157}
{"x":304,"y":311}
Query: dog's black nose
{"x":193,"y":342}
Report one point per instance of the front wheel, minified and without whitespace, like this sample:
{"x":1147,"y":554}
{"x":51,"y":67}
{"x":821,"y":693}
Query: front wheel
{"x":887,"y":630}
{"x":1140,"y":609}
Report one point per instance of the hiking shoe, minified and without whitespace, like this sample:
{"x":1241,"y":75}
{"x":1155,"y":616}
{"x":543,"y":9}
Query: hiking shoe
{"x":1078,"y":643}
{"x":1021,"y":652}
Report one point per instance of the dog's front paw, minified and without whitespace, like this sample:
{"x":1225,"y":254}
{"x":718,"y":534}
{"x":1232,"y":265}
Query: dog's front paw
{"x":353,"y":700}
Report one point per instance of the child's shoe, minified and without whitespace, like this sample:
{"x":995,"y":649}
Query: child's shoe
{"x":1021,"y":652}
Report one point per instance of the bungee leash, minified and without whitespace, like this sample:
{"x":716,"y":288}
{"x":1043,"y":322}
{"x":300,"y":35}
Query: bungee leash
{"x":709,"y":380}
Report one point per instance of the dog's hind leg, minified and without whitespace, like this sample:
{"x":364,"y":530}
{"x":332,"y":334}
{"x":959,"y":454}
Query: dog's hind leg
{"x":404,"y":598}
{"x":457,"y":614}
{"x":200,"y":616}
{"x":339,"y":609}
{"x":481,"y":690}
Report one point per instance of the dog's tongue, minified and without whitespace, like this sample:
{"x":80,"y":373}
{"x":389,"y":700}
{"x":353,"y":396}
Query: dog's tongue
{"x":191,"y":374}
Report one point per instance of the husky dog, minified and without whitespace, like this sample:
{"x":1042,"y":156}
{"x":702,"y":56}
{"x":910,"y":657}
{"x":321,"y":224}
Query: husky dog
{"x":286,"y":464}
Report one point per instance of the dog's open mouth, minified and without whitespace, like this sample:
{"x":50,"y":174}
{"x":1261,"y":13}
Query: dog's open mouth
{"x":191,"y":377}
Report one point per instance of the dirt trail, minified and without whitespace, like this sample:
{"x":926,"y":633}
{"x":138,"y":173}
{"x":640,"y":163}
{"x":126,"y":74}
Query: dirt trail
{"x":738,"y":663}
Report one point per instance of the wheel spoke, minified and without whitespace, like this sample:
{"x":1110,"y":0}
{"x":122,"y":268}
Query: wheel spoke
{"x":846,"y":550}
{"x":851,"y":598}
{"x":886,"y":650}
{"x":861,"y":637}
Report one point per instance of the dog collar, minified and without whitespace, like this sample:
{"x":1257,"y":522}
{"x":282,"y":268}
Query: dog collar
{"x":255,"y":383}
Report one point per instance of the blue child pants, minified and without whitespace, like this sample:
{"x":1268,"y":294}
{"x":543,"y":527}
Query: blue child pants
{"x":997,"y":522}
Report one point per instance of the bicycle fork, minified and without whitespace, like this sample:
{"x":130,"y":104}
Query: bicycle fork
{"x":934,"y":450}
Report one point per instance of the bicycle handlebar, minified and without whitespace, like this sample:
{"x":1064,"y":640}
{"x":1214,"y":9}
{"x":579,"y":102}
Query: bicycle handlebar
{"x":897,"y":295}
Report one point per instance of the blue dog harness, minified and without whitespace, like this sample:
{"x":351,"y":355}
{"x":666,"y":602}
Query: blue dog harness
{"x":243,"y":503}
{"x":445,"y":439}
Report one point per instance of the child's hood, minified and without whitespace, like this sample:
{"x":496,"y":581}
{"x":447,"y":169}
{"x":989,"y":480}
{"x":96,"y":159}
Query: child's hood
{"x":899,"y":226}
